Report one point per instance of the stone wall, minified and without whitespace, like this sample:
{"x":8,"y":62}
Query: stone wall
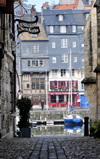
{"x":7,"y":83}
{"x":92,"y":61}
{"x":90,"y":54}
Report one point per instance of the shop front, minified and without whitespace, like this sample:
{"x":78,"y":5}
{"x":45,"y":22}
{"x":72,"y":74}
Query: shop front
{"x":61,"y":99}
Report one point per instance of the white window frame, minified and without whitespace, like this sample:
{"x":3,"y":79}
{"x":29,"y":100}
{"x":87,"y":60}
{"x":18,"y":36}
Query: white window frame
{"x":74,"y":59}
{"x":60,"y":17}
{"x":53,"y":59}
{"x":74,"y":28}
{"x":41,"y":62}
{"x":35,"y":49}
{"x":63,"y":29}
{"x":64,"y":43}
{"x":74,"y":43}
{"x":82,"y":45}
{"x":36,"y":63}
{"x":63,"y":72}
{"x":53,"y":44}
{"x":54,"y":73}
{"x":64,"y":58}
{"x":51,"y":29}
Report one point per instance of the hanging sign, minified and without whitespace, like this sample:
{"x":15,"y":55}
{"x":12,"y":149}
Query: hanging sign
{"x":26,"y":26}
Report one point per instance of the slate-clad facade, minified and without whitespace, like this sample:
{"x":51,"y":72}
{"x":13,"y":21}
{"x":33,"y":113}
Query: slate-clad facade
{"x":35,"y":66}
{"x":65,"y":32}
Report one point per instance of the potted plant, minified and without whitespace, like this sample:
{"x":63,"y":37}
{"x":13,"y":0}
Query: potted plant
{"x":24,"y":105}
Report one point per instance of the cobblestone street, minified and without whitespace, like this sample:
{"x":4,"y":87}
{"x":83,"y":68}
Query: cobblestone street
{"x":49,"y":147}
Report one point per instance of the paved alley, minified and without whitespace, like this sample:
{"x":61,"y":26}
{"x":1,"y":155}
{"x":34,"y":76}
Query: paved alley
{"x":50,"y":147}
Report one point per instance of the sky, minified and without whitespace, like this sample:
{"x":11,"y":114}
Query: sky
{"x":39,"y":3}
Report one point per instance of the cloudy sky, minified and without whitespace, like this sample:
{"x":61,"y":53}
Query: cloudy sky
{"x":40,"y":2}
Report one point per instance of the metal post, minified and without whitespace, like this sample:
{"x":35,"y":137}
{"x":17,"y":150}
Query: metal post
{"x":86,"y":126}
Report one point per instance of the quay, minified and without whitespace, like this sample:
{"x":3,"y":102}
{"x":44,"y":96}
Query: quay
{"x":50,"y":147}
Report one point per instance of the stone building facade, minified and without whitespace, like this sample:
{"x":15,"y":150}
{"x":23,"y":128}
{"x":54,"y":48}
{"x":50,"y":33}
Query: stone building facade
{"x":92,"y":61}
{"x":7,"y":70}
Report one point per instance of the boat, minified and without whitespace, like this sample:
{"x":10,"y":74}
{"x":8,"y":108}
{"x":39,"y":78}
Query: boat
{"x":73,"y":119}
{"x":72,"y":127}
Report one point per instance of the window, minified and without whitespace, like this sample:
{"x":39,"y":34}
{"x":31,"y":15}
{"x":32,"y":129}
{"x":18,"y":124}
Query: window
{"x":63,"y":29}
{"x":73,"y":28}
{"x":51,"y":29}
{"x":33,"y":35}
{"x":74,"y":43}
{"x":72,"y":72}
{"x":41,"y":63}
{"x":63,"y":43}
{"x":42,"y":86}
{"x":64,"y":58}
{"x":54,"y":73}
{"x":60,"y":17}
{"x":28,"y":85}
{"x":53,"y":59}
{"x":53,"y":45}
{"x":74,"y":59}
{"x":35,"y":48}
{"x":87,"y":16}
{"x":82,"y":45}
{"x":82,"y":73}
{"x":29,"y":63}
{"x":33,"y":83}
{"x":37,"y":83}
{"x":63,"y":72}
{"x":82,"y":86}
{"x":35,"y":63}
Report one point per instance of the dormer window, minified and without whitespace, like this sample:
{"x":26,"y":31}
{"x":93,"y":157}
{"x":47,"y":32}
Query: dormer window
{"x":51,"y":29}
{"x":63,"y":29}
{"x":60,"y":17}
{"x":74,"y":28}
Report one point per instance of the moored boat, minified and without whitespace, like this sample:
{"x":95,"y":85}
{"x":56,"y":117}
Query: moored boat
{"x":73,"y":119}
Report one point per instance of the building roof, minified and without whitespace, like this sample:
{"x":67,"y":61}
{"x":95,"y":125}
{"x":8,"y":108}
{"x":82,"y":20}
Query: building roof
{"x":70,"y":17}
{"x":67,"y":6}
{"x":41,"y":36}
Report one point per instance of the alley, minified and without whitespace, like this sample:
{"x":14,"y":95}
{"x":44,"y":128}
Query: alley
{"x":50,"y":147}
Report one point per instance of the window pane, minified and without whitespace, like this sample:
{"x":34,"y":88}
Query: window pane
{"x":63,"y":43}
{"x":33,"y":83}
{"x":37,"y":83}
{"x":41,"y":63}
{"x":53,"y":59}
{"x":29,"y":63}
{"x":27,"y":85}
{"x":35,"y":49}
{"x":42,"y":83}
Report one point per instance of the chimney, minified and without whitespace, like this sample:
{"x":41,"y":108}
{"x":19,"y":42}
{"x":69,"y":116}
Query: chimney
{"x":33,"y":10}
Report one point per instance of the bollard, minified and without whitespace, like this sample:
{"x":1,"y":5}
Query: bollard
{"x":86,"y":126}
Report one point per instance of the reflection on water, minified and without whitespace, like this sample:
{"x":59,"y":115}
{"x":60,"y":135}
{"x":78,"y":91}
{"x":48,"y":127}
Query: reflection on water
{"x":57,"y":130}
